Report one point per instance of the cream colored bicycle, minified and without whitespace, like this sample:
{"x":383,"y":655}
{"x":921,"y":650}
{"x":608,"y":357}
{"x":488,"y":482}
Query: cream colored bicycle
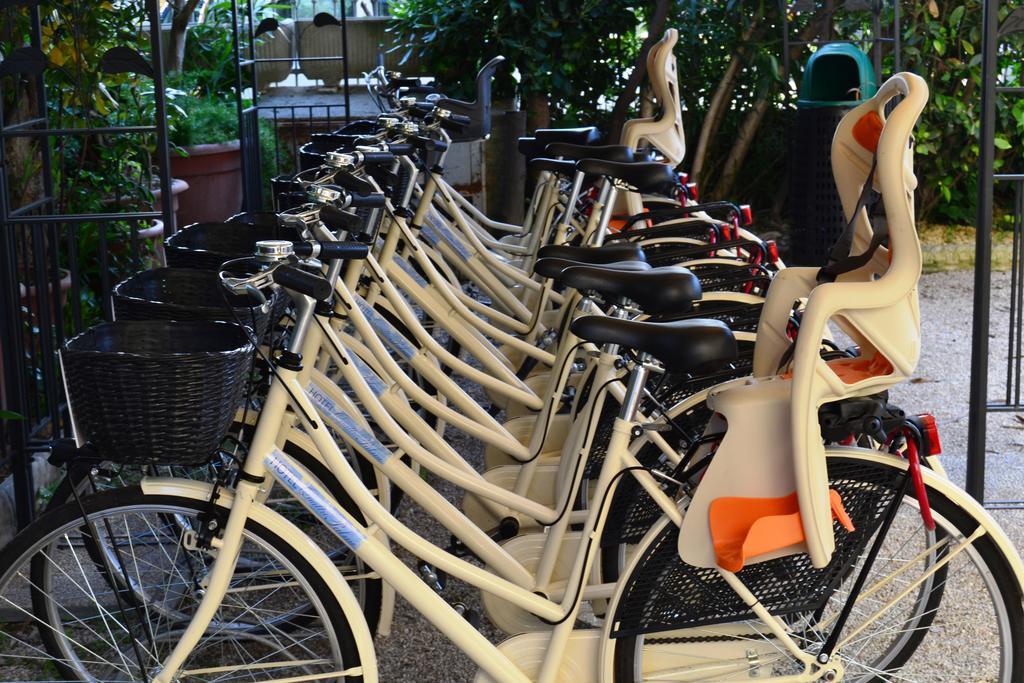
{"x":792,"y":561}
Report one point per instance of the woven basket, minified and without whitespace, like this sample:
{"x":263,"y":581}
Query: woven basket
{"x":184,"y":294}
{"x":263,"y":219}
{"x":156,"y":391}
{"x":209,"y":245}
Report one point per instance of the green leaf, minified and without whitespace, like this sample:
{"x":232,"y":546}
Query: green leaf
{"x":10,"y":415}
{"x":1001,"y":142}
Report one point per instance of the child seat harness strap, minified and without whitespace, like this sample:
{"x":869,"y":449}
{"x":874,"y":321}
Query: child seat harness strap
{"x":840,"y":260}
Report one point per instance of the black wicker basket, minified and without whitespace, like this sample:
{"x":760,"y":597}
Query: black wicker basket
{"x":156,"y":391}
{"x":185,"y":294}
{"x":209,"y":245}
{"x":263,"y":219}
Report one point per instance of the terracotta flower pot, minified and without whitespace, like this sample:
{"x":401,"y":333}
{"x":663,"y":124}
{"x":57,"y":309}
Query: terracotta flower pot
{"x":29,"y":298}
{"x":155,"y":234}
{"x":214,"y":175}
{"x":177,"y":187}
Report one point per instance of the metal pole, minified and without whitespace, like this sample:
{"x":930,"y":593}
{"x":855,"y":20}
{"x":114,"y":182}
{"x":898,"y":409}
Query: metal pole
{"x":897,"y":37}
{"x":344,"y":56}
{"x":983,"y":257}
{"x":242,"y":137}
{"x":162,"y":148}
{"x":876,"y":49}
{"x":785,"y":38}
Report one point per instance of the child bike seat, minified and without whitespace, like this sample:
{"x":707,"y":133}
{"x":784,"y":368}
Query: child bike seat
{"x":681,"y":345}
{"x":669,"y":289}
{"x":479,"y":110}
{"x":869,"y":290}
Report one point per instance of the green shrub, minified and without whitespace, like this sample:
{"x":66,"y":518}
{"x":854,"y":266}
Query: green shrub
{"x":206,"y":121}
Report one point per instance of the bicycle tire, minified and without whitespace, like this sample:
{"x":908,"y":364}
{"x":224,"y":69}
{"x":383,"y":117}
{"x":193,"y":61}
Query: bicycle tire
{"x":30,"y":549}
{"x":623,"y":656}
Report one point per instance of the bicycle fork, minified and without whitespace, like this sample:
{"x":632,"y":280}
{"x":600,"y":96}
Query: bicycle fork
{"x":228,"y":545}
{"x":219,"y":578}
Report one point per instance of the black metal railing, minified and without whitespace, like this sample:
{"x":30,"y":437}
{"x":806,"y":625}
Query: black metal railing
{"x":63,"y":247}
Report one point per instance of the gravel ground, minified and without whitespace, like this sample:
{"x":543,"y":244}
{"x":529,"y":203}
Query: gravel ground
{"x":416,"y":652}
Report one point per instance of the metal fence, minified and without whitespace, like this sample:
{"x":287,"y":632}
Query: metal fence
{"x":309,"y":56}
{"x":76,"y":212}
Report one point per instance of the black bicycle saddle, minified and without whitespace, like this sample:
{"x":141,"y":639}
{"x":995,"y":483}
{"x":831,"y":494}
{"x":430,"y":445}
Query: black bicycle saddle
{"x":669,"y":289}
{"x":689,"y":346}
{"x":608,"y":253}
{"x":649,"y":176}
{"x":619,"y":153}
{"x":553,"y":267}
{"x":558,"y":166}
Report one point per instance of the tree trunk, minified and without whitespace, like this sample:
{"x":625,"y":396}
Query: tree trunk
{"x":744,"y":137}
{"x":716,"y":110}
{"x":175,"y":58}
{"x":538,"y":112}
{"x":657,"y":26}
{"x":752,"y":121}
{"x":647,"y":101}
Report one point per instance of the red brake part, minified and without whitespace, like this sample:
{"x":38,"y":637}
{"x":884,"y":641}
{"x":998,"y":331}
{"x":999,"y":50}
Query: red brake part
{"x":931,"y":435}
{"x":919,"y":489}
{"x":693,"y":191}
{"x":746,"y":215}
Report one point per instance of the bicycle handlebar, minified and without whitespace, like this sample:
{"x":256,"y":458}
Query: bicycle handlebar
{"x":302,"y":282}
{"x":336,"y":219}
{"x":332,"y":250}
{"x":370,"y":201}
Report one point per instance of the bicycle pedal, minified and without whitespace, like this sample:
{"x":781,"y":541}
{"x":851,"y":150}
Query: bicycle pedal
{"x":470,"y":615}
{"x":458,"y":548}
{"x":433,"y":577}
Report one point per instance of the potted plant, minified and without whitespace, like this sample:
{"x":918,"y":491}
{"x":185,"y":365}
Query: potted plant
{"x":207,"y":155}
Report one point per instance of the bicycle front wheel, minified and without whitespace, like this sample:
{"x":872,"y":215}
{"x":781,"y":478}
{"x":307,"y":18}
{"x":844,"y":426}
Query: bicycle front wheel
{"x":936,"y":605}
{"x":71,"y":617}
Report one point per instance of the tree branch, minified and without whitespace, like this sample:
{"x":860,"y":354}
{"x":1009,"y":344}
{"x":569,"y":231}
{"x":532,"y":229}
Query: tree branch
{"x":716,"y":110}
{"x":656,"y":27}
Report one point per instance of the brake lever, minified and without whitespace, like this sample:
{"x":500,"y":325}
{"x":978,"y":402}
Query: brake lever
{"x":259,"y":296}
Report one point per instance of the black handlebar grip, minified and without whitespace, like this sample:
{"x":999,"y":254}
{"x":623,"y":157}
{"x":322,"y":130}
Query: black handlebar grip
{"x":377,"y":158}
{"x":337,"y":220}
{"x":455,"y":122}
{"x":404,"y":82}
{"x":371,"y":201}
{"x":429,"y":144}
{"x":402,"y":149}
{"x":353,"y":184}
{"x":350,"y":251}
{"x":300,"y":281}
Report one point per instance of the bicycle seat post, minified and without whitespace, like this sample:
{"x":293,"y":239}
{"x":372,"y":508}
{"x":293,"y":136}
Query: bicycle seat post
{"x":606,"y":199}
{"x":635,"y":388}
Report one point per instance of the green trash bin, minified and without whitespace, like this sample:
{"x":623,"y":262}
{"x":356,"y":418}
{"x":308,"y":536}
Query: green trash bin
{"x":837,"y":78}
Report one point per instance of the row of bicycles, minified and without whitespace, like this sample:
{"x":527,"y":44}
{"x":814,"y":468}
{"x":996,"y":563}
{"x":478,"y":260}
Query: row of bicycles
{"x":691,"y":468}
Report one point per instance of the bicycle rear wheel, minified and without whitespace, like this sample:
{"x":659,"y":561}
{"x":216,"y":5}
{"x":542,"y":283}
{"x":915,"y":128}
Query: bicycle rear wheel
{"x":279,"y":618}
{"x":924,"y":599}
